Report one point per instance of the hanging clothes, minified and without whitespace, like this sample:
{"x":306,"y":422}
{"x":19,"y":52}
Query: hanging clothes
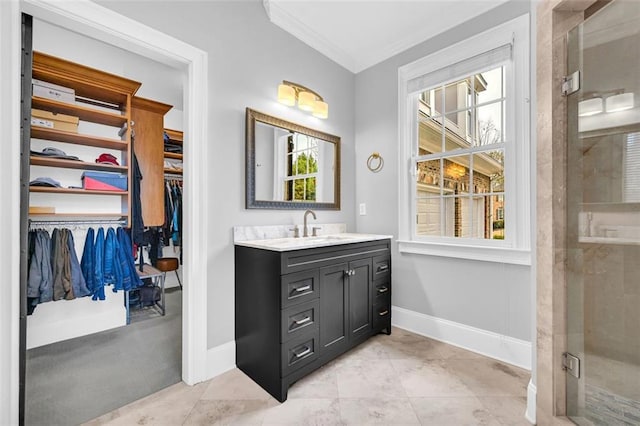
{"x":172,"y":229}
{"x":137,"y":225}
{"x":40,"y":275}
{"x":61,"y":265}
{"x":78,"y":283}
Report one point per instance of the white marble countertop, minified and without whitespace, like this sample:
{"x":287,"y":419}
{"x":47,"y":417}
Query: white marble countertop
{"x":291,"y":243}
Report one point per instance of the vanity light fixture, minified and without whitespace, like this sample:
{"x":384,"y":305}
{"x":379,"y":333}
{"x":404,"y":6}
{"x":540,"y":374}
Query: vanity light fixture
{"x":620,"y":102}
{"x":308,"y":100}
{"x":590,"y":107}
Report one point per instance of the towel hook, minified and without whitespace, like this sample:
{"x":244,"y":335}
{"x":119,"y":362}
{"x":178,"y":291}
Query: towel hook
{"x":375,"y":162}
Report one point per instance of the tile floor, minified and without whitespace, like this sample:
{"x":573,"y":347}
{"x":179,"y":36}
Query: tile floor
{"x":399,"y":379}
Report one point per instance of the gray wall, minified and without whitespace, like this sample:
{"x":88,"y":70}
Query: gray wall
{"x":490,"y":296}
{"x":248,"y":58}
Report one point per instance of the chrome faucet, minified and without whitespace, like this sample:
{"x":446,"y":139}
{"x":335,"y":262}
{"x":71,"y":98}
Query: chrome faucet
{"x":305,"y":231}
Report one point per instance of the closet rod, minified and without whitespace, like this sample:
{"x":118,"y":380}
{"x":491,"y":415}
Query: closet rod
{"x":169,"y":176}
{"x":121,"y":222}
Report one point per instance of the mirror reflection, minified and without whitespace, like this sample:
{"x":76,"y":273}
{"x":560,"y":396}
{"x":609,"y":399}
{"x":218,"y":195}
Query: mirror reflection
{"x":290,"y":166}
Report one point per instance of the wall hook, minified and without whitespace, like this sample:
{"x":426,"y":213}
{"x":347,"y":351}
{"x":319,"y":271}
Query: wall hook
{"x":375,"y":162}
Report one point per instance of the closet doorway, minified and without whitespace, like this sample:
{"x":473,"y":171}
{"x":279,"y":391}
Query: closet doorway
{"x":189,"y":370}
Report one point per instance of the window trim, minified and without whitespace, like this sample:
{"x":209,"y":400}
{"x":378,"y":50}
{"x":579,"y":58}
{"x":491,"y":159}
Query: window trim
{"x":517,"y":249}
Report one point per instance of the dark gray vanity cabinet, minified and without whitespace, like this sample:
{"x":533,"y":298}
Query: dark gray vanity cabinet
{"x":297,"y":310}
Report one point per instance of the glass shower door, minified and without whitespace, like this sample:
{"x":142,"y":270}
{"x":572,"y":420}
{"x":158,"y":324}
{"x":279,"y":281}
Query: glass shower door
{"x":603,"y":219}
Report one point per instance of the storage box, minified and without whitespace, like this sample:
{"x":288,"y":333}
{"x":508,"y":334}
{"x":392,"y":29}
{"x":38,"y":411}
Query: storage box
{"x":104,"y":181}
{"x":53,"y":91}
{"x":52,"y":120}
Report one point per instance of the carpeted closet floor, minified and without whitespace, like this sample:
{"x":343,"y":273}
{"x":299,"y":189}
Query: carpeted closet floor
{"x":76,"y":380}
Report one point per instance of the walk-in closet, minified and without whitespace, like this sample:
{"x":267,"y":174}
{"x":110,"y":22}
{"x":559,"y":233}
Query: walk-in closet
{"x":102,"y":181}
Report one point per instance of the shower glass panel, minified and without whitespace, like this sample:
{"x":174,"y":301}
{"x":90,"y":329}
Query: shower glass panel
{"x":603,"y":218}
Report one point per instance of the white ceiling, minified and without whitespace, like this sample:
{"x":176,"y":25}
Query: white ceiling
{"x":360,"y":33}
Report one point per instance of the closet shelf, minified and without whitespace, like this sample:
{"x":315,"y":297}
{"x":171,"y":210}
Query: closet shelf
{"x":173,"y":155}
{"x":53,"y":190}
{"x":175,"y":136}
{"x":82,"y":112}
{"x":173,"y":171}
{"x":72,"y":216}
{"x":76,"y":138}
{"x":71,"y":164}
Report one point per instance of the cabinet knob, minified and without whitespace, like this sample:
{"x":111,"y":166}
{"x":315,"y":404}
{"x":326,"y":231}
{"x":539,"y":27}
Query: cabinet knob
{"x":350,"y":272}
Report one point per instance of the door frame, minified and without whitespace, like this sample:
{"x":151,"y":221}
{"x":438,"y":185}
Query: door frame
{"x":95,"y":21}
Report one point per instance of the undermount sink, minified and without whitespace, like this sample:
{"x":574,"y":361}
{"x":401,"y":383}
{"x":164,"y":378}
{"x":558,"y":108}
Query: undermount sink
{"x":292,"y":243}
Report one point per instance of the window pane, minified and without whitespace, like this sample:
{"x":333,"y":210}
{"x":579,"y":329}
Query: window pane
{"x":429,"y":134}
{"x":455,"y":95}
{"x":428,"y":214}
{"x":495,"y":221}
{"x":456,"y":174}
{"x":488,"y":171}
{"x":458,"y":220}
{"x":489,"y":85}
{"x":430,"y":102}
{"x":489,"y":124}
{"x":459,"y":130}
{"x":310,"y":189}
{"x":428,"y":176}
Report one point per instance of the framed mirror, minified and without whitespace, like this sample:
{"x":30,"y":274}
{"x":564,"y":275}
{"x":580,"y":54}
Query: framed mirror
{"x":289,"y":166}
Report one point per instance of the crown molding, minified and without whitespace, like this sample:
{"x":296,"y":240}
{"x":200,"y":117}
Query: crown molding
{"x":280,"y":17}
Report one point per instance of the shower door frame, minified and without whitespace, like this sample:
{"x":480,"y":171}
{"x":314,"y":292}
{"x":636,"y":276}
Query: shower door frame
{"x":554,"y":18}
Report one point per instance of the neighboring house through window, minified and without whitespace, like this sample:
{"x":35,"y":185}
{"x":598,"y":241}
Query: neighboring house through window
{"x":464,"y":133}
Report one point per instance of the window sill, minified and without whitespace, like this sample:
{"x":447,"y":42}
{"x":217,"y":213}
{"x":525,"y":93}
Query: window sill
{"x":459,"y":251}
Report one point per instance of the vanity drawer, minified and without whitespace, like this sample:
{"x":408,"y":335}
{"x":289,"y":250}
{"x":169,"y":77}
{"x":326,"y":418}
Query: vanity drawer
{"x":299,"y":319}
{"x":381,"y":291}
{"x":299,"y":287}
{"x":299,"y":352}
{"x":381,"y":266}
{"x":381,"y":316}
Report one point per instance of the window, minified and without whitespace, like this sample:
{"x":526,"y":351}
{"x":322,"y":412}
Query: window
{"x":465,"y":137}
{"x":300,"y":182}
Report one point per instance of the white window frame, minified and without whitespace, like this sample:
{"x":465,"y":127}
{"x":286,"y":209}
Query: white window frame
{"x":516,"y":248}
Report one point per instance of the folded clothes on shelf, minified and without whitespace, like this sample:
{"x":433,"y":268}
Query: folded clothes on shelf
{"x":45,"y":181}
{"x":54,"y":153}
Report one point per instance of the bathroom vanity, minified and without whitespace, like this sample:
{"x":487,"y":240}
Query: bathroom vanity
{"x":301,"y":302}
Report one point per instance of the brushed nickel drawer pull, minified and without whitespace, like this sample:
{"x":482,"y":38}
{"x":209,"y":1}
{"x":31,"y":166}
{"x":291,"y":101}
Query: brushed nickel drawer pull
{"x":383,"y":313}
{"x":303,"y":321}
{"x":306,"y":351}
{"x":383,"y":268}
{"x":303,"y":288}
{"x":382,"y":289}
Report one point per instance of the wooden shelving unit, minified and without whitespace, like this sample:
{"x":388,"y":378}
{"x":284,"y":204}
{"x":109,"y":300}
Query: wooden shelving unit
{"x":176,"y":137}
{"x":54,"y":190}
{"x":99,"y":88}
{"x":72,"y":164}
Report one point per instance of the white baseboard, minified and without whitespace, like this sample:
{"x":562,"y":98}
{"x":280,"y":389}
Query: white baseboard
{"x":221,"y":359}
{"x":504,"y":348}
{"x":530,"y":414}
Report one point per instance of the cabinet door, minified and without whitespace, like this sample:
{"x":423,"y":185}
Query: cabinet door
{"x":333,"y":307}
{"x":360,"y":298}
